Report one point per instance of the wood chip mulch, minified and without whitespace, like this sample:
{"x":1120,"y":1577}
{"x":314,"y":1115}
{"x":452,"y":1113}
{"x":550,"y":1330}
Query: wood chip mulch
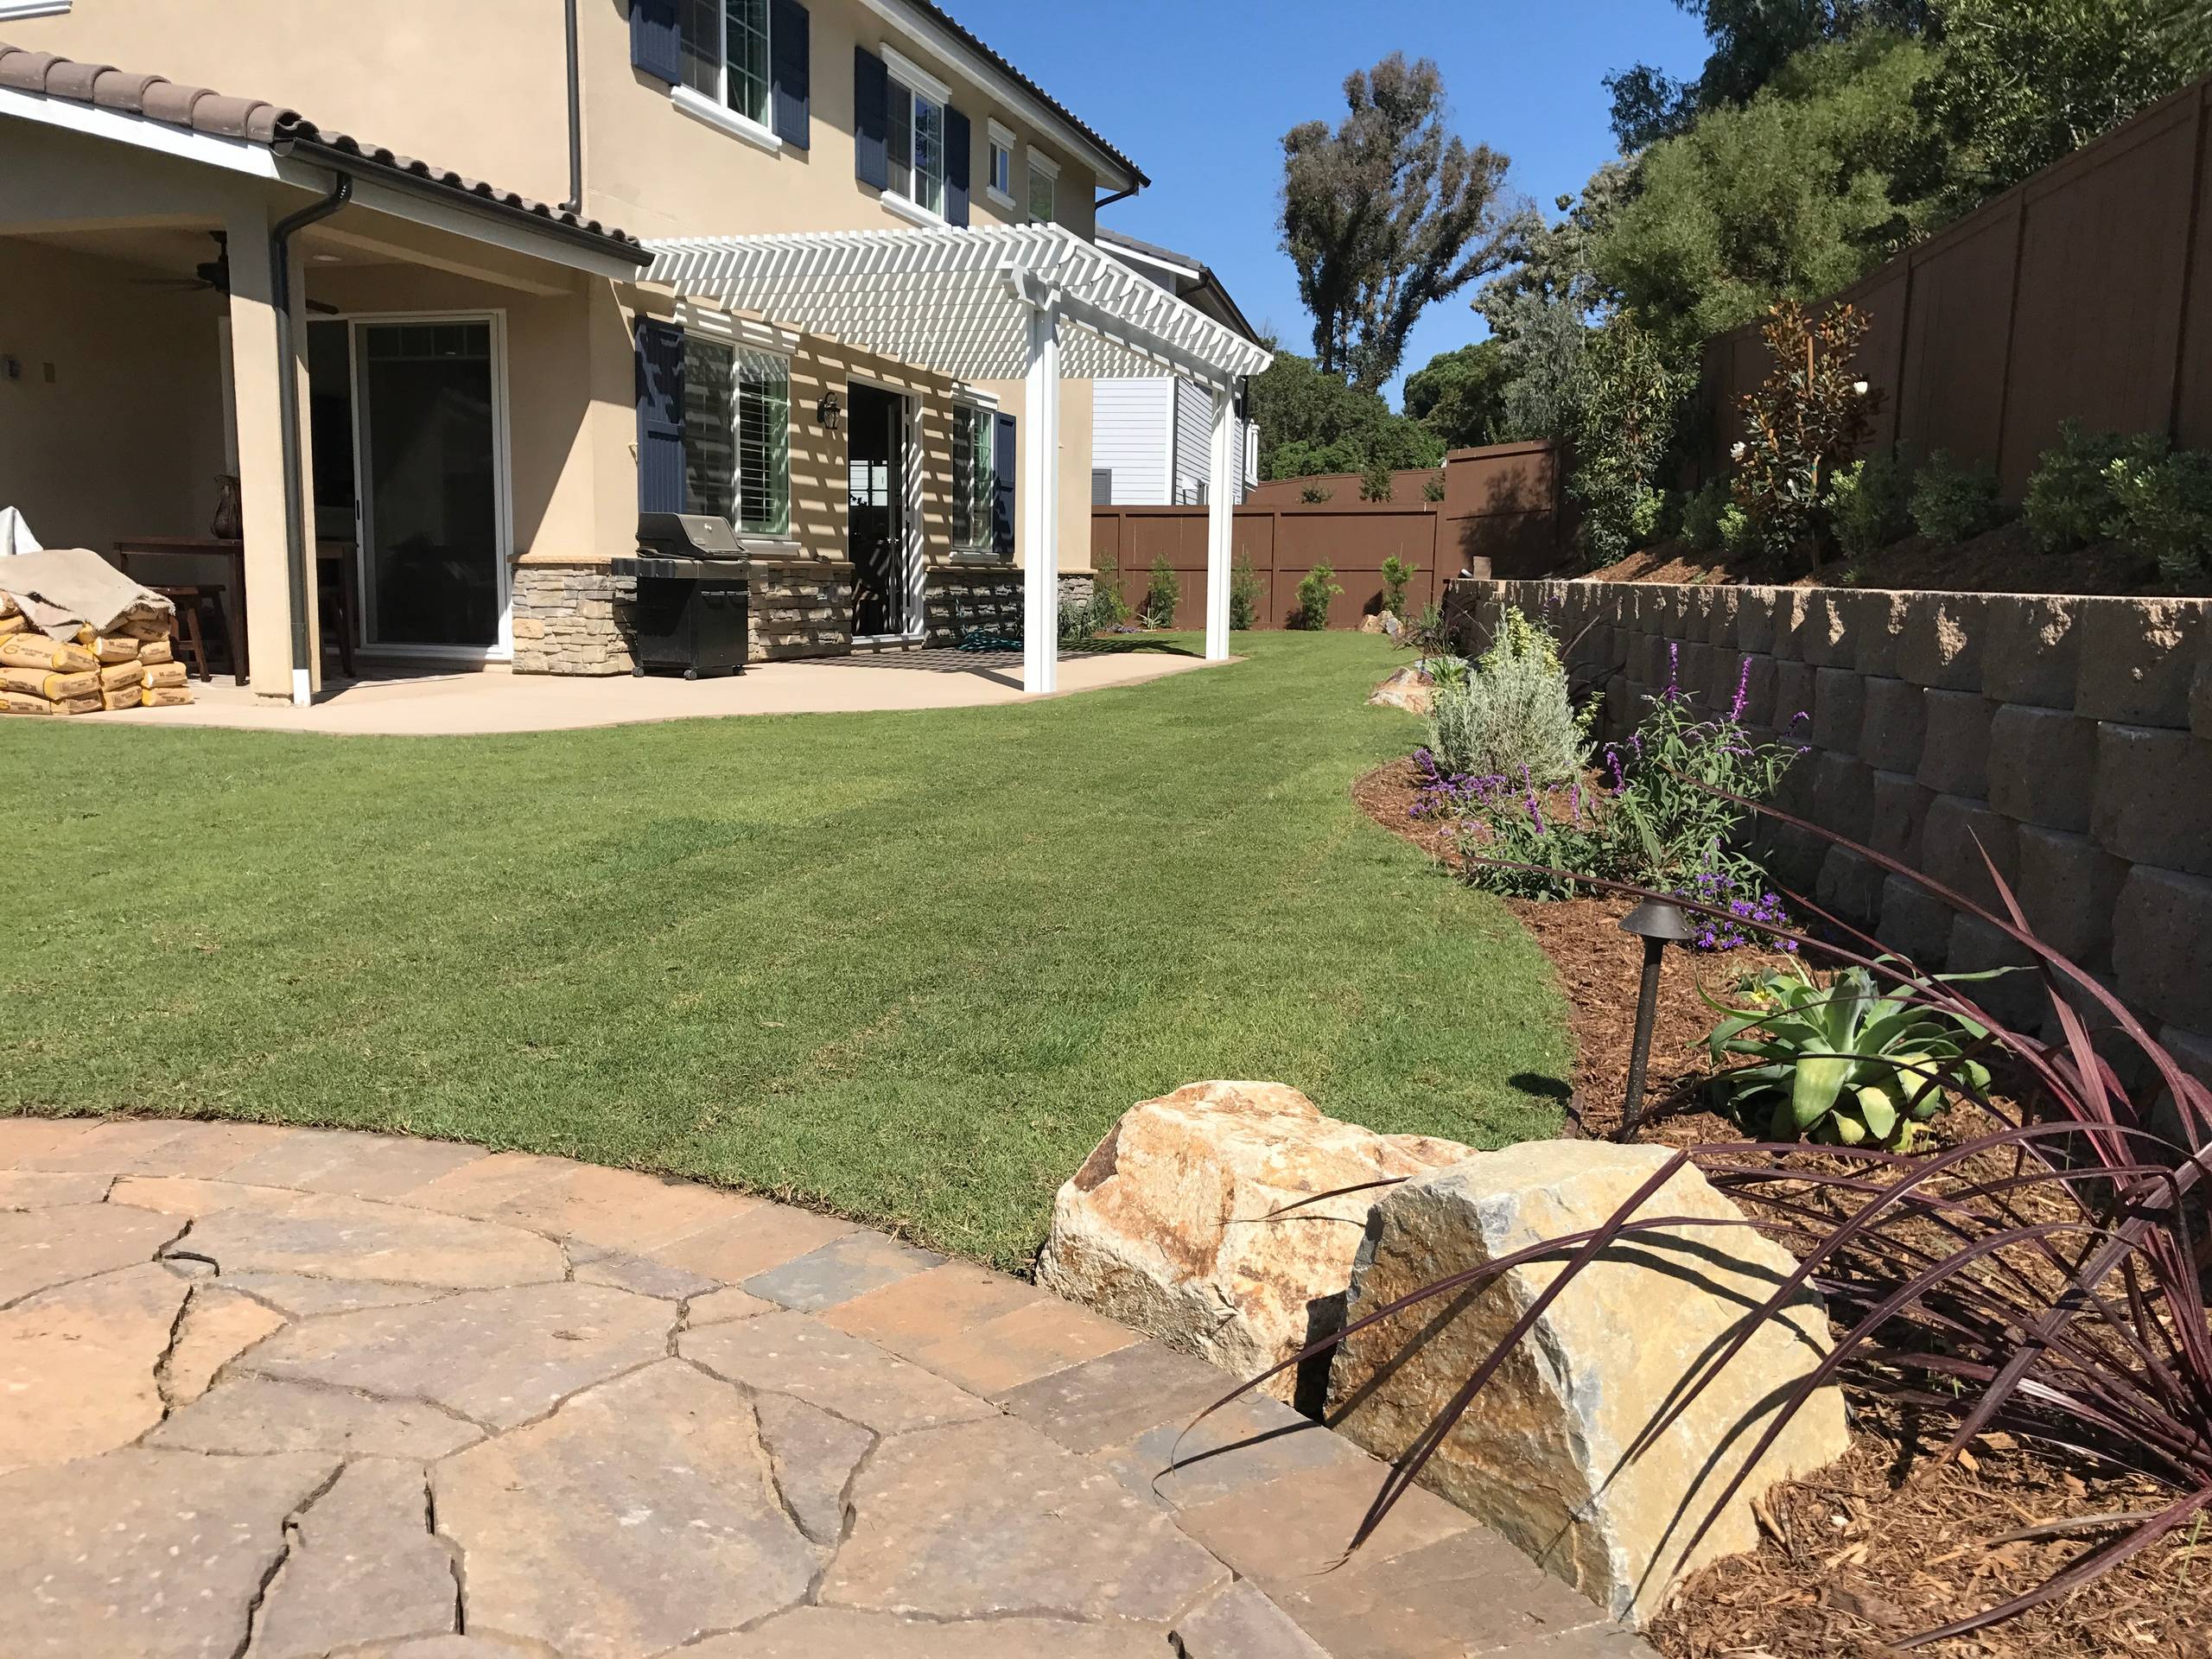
{"x":2002,"y":560}
{"x":1886,"y":1543}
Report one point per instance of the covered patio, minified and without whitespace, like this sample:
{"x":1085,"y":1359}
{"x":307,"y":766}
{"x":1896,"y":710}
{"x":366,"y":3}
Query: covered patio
{"x":1031,"y":303}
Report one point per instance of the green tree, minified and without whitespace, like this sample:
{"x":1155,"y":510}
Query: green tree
{"x":2023,"y":82}
{"x":1626,"y":408}
{"x":1386,"y":213}
{"x":1788,"y":196}
{"x":1460,"y":395}
{"x":1311,"y":421}
{"x":1541,"y":311}
{"x":1377,"y":482}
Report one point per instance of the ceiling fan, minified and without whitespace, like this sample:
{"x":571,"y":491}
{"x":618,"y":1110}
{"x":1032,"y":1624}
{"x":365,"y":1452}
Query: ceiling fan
{"x":214,"y":275}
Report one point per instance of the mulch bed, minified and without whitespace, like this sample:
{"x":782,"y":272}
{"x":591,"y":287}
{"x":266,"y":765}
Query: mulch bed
{"x":1886,"y":1543}
{"x":2003,"y":561}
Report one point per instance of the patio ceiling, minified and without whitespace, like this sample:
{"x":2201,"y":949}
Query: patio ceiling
{"x":961,"y":301}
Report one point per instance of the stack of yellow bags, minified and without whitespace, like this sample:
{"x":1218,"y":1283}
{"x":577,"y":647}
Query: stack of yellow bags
{"x":87,"y":672}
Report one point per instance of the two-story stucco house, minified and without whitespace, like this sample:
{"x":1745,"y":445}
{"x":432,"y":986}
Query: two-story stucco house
{"x":854,"y":306}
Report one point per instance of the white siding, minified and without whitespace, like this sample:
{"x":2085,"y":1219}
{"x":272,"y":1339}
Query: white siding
{"x":1128,"y":437}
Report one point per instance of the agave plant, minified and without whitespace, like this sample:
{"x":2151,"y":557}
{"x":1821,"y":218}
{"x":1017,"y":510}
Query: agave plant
{"x":1843,"y":1065}
{"x":2046,"y":1275}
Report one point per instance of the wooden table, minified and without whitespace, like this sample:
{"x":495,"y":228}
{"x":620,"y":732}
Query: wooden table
{"x":143,"y":557}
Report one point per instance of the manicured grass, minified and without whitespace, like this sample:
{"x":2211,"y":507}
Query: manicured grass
{"x":909,"y":966}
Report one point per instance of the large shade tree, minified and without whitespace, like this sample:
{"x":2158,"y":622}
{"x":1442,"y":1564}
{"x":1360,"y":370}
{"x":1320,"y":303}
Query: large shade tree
{"x":1388,"y":212}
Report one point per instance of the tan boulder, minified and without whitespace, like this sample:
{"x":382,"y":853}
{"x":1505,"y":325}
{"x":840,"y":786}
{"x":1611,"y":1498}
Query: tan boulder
{"x":1548,"y":1454}
{"x":1164,"y":1226}
{"x":1409,"y":688}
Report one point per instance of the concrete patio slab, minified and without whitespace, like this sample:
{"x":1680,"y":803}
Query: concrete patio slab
{"x":433,"y":704}
{"x":297,"y":1406}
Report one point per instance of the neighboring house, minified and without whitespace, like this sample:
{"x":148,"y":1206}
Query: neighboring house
{"x":1149,"y":437}
{"x":853,"y":306}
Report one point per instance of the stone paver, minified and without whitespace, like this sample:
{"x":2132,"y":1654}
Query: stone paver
{"x":275,"y":1393}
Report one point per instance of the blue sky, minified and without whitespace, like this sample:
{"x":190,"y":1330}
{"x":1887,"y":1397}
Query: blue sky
{"x":1200,"y":92}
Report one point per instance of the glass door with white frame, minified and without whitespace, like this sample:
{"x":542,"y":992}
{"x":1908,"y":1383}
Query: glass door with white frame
{"x":432,"y":569}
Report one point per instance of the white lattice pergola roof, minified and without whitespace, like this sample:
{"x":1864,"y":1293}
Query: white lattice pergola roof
{"x":961,"y":301}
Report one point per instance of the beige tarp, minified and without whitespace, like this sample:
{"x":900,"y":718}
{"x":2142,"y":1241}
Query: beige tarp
{"x":63,"y":586}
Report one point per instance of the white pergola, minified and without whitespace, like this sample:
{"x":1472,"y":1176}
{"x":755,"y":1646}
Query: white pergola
{"x":1033,"y":304}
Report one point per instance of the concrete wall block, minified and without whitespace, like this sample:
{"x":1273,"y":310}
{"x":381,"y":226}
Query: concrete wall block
{"x":1843,"y":796}
{"x":2139,"y":659}
{"x":2034,"y":651}
{"x":1793,"y":857}
{"x":1755,"y":619}
{"x":1954,"y":837}
{"x":1839,"y":709}
{"x":2016,"y":997}
{"x":2200,"y":699}
{"x":1793,"y":617}
{"x":1721,"y":617}
{"x":1914,"y":923}
{"x":1793,"y":692}
{"x":1797,"y":790}
{"x":1696,"y":669}
{"x":1893,"y":726}
{"x":2162,"y":946}
{"x":1900,"y":808}
{"x":1824,"y":635}
{"x":2068,"y":885}
{"x":1755,"y":673}
{"x":1955,"y":748}
{"x":2192,"y":1051}
{"x":1944,"y":637}
{"x":1875,"y":622}
{"x":2043,"y":766}
{"x":1850,"y":886}
{"x":2153,"y":800}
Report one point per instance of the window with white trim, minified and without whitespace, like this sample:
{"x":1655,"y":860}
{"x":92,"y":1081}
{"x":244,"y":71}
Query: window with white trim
{"x":737,"y":426}
{"x":914,"y":134}
{"x":725,"y":45}
{"x":975,"y":477}
{"x":999,"y":180}
{"x":1044,"y":181}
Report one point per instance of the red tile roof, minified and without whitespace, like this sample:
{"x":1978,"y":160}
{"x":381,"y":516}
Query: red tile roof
{"x":196,"y":109}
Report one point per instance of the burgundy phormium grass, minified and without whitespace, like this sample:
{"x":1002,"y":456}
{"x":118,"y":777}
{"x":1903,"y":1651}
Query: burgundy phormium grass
{"x":2045,"y":1275}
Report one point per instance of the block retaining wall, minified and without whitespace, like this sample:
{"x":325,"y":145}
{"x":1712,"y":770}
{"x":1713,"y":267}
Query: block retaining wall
{"x":2072,"y":738}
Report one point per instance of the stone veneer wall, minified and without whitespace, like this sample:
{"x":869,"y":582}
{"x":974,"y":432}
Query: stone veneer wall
{"x":800,"y":610}
{"x":572,"y":620}
{"x":958,"y":597}
{"x":2071,"y":737}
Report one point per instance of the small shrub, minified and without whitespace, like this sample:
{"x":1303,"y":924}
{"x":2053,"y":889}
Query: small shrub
{"x":1108,"y":608}
{"x":1739,"y":537}
{"x":1426,"y":634}
{"x":1953,"y":501}
{"x":1645,"y":516}
{"x":1514,"y":715}
{"x":1162,"y":594}
{"x":1701,"y":516}
{"x":2070,"y":501}
{"x":1396,"y":573}
{"x":1376,"y":482}
{"x":1805,"y":422}
{"x":1433,"y":490}
{"x":1315,"y":590}
{"x":1314,"y":495}
{"x":2162,"y":510}
{"x":1243,"y":597}
{"x":1868,"y":506}
{"x":1839,"y":1063}
{"x":1075,"y":623}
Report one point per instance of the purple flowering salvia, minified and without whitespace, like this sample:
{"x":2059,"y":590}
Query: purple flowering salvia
{"x":1536,"y":812}
{"x":1743,"y":692}
{"x":1578,"y":801}
{"x":1674,"y":669}
{"x":1620,"y":780}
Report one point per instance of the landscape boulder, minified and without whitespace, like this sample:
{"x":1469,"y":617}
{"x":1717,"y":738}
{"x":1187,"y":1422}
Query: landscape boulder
{"x":1549,"y":1454}
{"x":1165,"y":1228}
{"x":1409,"y":688}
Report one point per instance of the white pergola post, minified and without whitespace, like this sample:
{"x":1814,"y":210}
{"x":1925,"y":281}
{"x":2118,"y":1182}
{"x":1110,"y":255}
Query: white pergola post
{"x":1041,"y":506}
{"x":1220,"y":522}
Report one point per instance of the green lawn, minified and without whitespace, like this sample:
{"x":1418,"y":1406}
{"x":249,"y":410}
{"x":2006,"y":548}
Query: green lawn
{"x":907,"y":966}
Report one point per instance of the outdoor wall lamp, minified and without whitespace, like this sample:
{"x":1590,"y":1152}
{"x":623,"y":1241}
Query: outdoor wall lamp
{"x":831,"y":413}
{"x":1654,"y":921}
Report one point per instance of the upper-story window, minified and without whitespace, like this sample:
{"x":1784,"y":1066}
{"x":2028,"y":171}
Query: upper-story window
{"x":998,"y":181}
{"x":914,"y":133}
{"x":725,"y":54}
{"x":1044,"y":183}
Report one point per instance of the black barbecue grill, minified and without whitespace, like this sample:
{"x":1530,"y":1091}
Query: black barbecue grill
{"x":694,"y":594}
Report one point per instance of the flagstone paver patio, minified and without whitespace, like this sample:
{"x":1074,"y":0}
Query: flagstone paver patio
{"x":283,"y":1393}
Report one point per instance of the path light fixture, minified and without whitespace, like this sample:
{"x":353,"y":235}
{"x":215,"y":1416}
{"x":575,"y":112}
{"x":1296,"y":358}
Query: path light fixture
{"x":1655,"y":922}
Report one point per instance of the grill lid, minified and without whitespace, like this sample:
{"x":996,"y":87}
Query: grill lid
{"x":688,"y":536}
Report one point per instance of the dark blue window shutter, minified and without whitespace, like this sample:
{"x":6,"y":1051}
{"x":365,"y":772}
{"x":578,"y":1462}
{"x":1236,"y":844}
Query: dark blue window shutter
{"x":871,"y":118}
{"x":1004,"y":463}
{"x":660,"y":416}
{"x":790,"y":59}
{"x":958,"y":148}
{"x":655,"y":45}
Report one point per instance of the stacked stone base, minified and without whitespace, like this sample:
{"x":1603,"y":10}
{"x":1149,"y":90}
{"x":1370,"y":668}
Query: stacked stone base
{"x":801,"y":610}
{"x":573,"y":620}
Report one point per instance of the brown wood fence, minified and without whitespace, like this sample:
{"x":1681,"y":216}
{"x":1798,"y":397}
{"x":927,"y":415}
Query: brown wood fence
{"x":1501,"y":515}
{"x":2084,"y":292}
